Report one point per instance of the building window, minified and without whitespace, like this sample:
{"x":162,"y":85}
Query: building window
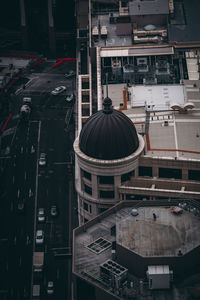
{"x":106,"y":194}
{"x":145,"y":171}
{"x":106,"y":179}
{"x":88,"y":189}
{"x":194,"y":175}
{"x":170,"y":173}
{"x":85,"y":206}
{"x":127,"y":176}
{"x":85,"y":220}
{"x":102,"y":209}
{"x":87,"y":175}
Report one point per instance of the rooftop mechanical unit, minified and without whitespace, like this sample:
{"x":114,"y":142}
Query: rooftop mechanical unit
{"x":159,"y":277}
{"x":113,"y":273}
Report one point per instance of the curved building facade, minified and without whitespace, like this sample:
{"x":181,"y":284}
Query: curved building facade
{"x":107,"y":153}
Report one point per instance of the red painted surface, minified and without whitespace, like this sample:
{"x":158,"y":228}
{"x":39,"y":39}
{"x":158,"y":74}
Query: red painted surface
{"x":61,"y":60}
{"x":5,"y":124}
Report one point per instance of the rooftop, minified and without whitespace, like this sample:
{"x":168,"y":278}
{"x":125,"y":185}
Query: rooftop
{"x":163,"y":237}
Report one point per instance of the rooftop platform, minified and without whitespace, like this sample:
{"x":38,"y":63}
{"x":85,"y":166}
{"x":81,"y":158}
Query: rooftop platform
{"x":161,"y":237}
{"x":171,"y":133}
{"x":141,"y":235}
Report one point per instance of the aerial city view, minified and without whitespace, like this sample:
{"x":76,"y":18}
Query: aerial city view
{"x":100,"y":150}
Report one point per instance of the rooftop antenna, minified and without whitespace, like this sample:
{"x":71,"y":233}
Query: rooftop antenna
{"x":106,"y":85}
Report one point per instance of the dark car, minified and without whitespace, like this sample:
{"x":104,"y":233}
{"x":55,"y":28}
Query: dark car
{"x":54,"y":211}
{"x":70,"y":74}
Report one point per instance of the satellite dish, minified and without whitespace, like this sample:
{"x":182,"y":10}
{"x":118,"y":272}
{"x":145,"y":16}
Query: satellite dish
{"x":189,"y":105}
{"x":149,"y":27}
{"x":176,"y":106}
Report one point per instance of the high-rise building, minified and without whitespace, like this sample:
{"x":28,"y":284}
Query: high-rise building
{"x":135,"y":52}
{"x":46,"y":26}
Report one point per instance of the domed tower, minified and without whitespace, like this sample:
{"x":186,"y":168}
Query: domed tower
{"x":107,"y":153}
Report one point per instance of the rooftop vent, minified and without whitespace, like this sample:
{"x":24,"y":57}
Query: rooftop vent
{"x":112,"y":271}
{"x":150,"y":27}
{"x":134,"y":212}
{"x":99,"y":245}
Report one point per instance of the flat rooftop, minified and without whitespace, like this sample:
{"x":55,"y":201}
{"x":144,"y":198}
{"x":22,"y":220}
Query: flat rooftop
{"x":185,"y":25}
{"x":158,"y":97}
{"x":170,"y":133}
{"x":162,"y":237}
{"x":141,"y":234}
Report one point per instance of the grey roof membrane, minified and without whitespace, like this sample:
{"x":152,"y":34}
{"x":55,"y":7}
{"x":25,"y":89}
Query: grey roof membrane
{"x":149,"y":7}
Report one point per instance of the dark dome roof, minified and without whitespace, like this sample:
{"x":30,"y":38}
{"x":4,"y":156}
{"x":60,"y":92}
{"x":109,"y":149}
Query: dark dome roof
{"x":108,"y":134}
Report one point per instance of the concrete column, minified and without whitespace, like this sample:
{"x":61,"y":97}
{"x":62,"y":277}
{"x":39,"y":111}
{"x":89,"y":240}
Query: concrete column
{"x":94,"y":186}
{"x":23,"y":25}
{"x":185,"y":174}
{"x":117,"y":183}
{"x":155,"y":171}
{"x":52,"y":45}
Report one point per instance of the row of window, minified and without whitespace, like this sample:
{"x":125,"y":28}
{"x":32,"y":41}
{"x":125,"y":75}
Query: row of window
{"x":108,"y":179}
{"x":88,"y":207}
{"x":147,"y":171}
{"x":102,"y":194}
{"x":169,"y":173}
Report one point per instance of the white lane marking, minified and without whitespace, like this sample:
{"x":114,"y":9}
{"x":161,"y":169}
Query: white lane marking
{"x":32,"y":149}
{"x":28,"y":240}
{"x":22,"y":149}
{"x":15,"y":240}
{"x":30,"y":193}
{"x":13,"y":179}
{"x":58,"y":273}
{"x":18,"y":193}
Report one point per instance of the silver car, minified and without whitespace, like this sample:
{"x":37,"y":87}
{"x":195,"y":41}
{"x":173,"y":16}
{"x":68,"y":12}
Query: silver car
{"x":41,"y":215}
{"x":50,"y":288}
{"x":58,"y":90}
{"x":39,"y":237}
{"x":43,"y":159}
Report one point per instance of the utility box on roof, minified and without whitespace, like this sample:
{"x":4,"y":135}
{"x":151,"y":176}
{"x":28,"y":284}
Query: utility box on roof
{"x":159,"y":277}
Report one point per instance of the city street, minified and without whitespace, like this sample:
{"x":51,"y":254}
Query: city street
{"x":28,"y":186}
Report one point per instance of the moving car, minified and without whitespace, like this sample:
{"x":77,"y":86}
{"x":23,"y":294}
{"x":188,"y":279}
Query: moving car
{"x":39,"y":237}
{"x":50,"y":287}
{"x":43,"y":159}
{"x":58,"y":90}
{"x":69,"y":98}
{"x":54,"y":211}
{"x":41,"y":215}
{"x":69,"y":74}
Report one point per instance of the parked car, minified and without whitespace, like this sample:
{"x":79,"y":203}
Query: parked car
{"x":39,"y":237}
{"x":58,"y":90}
{"x":70,"y":98}
{"x":50,"y":287}
{"x":43,"y":159}
{"x":41,"y":215}
{"x":54,"y":210}
{"x":69,"y":74}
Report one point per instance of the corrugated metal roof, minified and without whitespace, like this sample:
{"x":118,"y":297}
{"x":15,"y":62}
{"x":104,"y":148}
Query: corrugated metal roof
{"x":149,"y":7}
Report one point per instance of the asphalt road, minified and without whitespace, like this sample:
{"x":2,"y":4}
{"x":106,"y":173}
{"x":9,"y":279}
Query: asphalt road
{"x":50,"y":130}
